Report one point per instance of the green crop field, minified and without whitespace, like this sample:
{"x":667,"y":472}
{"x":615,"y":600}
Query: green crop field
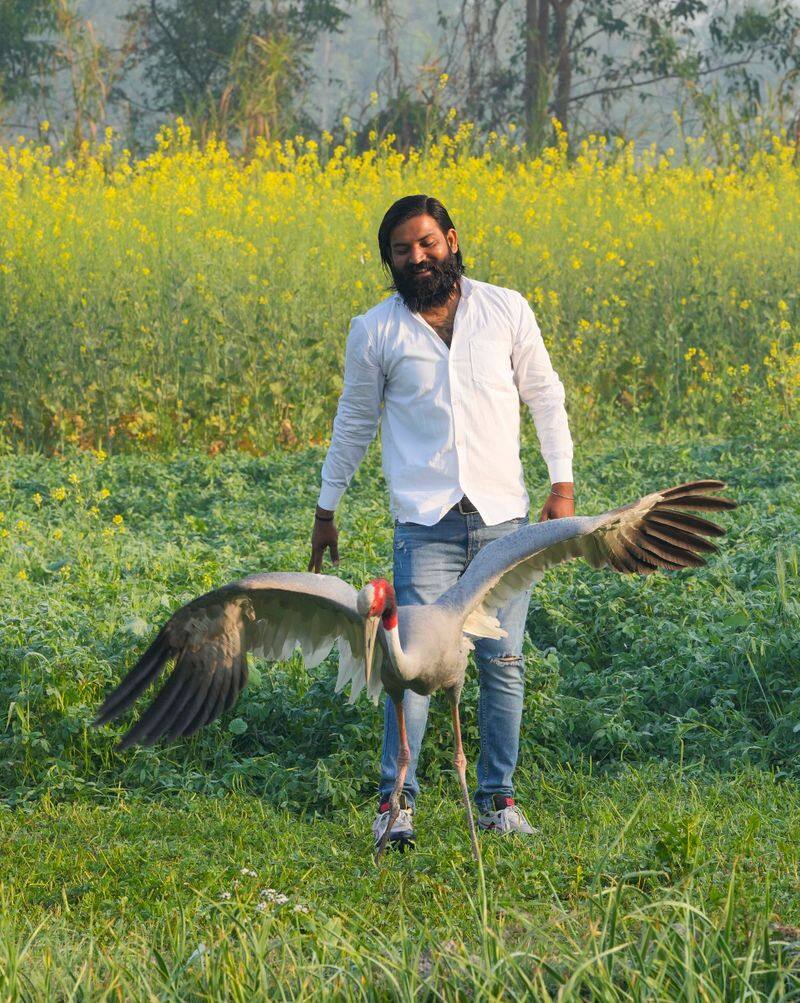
{"x":658,"y":761}
{"x":172,"y":334}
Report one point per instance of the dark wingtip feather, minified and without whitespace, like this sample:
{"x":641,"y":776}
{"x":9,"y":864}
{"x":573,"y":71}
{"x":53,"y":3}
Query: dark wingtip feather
{"x":668,"y":537}
{"x":703,"y":503}
{"x":146,"y":671}
{"x":694,"y":486}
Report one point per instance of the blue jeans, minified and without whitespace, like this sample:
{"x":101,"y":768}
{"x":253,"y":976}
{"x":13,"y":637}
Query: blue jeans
{"x":427,"y":561}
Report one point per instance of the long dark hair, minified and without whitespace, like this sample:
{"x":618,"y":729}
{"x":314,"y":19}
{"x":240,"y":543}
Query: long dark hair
{"x":406,"y":208}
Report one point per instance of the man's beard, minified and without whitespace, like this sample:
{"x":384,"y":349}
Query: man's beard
{"x":431,"y":289}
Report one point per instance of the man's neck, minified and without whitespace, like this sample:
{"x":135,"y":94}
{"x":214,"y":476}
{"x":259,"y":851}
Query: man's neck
{"x":441,"y":317}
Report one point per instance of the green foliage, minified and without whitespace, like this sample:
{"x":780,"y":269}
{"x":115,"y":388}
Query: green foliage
{"x":24,"y":48}
{"x":231,"y":65}
{"x":97,"y":553}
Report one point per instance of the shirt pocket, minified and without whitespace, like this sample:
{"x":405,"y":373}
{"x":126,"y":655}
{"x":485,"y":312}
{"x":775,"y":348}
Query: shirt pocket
{"x":490,"y":364}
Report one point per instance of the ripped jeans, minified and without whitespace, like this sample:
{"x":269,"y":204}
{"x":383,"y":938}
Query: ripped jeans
{"x":427,"y":561}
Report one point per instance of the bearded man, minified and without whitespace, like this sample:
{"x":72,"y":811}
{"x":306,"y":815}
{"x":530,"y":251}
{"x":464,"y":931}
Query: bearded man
{"x":442,"y":364}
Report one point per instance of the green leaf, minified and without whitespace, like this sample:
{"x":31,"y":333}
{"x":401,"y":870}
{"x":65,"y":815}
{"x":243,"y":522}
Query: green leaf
{"x":238,"y":726}
{"x":736,"y":619}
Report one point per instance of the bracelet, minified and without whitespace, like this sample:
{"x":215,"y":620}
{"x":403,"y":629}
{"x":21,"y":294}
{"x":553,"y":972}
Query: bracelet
{"x":559,"y":495}
{"x":324,"y":518}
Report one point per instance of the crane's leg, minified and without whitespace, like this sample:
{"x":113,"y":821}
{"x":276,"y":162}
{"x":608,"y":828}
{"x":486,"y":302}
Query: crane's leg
{"x":460,"y":763}
{"x":403,"y":759}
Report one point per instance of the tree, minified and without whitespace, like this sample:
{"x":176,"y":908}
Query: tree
{"x":24,"y":47}
{"x":231,"y":65}
{"x":578,"y":60}
{"x":603,"y":49}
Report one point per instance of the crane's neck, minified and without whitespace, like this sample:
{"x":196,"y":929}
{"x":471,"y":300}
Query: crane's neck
{"x":390,"y":626}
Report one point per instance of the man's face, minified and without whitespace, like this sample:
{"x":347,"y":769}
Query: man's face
{"x":423,"y":265}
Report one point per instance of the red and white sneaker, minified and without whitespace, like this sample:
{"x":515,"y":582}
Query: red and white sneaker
{"x":507,"y":817}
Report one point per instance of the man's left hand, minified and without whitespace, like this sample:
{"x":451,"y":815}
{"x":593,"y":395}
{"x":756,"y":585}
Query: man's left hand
{"x":560,"y":503}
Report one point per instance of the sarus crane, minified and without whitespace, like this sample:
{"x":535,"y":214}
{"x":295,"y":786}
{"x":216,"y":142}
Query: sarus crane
{"x":423,"y":648}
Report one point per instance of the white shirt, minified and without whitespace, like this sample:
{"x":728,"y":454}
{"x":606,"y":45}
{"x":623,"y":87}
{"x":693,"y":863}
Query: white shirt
{"x":451,"y":417}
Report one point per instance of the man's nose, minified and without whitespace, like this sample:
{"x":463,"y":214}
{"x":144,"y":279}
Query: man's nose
{"x":417,"y":256}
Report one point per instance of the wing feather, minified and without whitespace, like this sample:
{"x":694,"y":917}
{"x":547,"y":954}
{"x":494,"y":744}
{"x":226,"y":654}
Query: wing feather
{"x":270,"y":614}
{"x":645,"y":536}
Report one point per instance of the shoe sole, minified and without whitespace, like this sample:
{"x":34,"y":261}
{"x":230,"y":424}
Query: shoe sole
{"x":503,"y":832}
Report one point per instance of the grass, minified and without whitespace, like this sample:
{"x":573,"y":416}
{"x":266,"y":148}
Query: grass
{"x":658,"y":759}
{"x":625,"y":875}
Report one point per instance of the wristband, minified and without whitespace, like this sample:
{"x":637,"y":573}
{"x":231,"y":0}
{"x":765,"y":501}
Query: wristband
{"x":324,"y":518}
{"x":559,"y":495}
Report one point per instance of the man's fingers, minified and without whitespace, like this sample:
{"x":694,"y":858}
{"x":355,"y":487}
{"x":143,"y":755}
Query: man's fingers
{"x":335,"y":553}
{"x":315,"y":564}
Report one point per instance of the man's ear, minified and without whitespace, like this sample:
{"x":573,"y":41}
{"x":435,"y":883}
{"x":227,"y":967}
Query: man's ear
{"x":452,"y":240}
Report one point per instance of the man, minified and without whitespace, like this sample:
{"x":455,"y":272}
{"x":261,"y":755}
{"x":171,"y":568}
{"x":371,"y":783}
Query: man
{"x":444,"y":363}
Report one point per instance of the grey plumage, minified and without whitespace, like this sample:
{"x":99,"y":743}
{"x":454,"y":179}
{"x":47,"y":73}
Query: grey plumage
{"x":274,"y":613}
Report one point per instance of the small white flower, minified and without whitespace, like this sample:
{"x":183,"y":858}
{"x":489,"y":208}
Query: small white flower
{"x":268,"y":893}
{"x":299,"y":907}
{"x":248,"y":873}
{"x":198,"y":952}
{"x":224,"y":895}
{"x":281,"y":899}
{"x":261,"y":907}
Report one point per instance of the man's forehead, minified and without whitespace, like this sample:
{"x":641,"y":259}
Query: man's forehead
{"x":416,"y":228}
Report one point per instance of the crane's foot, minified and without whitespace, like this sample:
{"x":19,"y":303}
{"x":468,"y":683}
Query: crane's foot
{"x":403,"y":760}
{"x":460,"y":764}
{"x":461,"y":769}
{"x":394,"y":811}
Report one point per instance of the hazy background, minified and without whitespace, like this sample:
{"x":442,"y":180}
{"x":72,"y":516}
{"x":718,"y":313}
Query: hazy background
{"x":650,"y":70}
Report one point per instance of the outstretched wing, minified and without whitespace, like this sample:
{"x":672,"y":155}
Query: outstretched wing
{"x":209,"y":638}
{"x":651,"y":533}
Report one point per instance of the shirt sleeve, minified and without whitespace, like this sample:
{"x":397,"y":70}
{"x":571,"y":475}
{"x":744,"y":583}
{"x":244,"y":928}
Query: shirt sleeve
{"x":543,"y":393}
{"x":357,"y":415}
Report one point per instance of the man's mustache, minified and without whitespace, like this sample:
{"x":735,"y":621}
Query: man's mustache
{"x":419,"y":269}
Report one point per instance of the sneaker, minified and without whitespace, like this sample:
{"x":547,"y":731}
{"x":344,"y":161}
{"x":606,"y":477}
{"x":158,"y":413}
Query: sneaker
{"x":402,"y":835}
{"x":506,"y":817}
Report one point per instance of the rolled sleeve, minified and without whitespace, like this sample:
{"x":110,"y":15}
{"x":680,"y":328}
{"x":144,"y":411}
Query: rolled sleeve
{"x":543,"y":393}
{"x":357,"y":415}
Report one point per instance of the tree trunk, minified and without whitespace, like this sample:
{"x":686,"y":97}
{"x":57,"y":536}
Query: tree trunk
{"x":564,"y":64}
{"x":536,"y":83}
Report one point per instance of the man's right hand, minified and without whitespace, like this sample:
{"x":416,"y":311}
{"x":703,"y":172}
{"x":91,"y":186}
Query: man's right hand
{"x":324,"y":535}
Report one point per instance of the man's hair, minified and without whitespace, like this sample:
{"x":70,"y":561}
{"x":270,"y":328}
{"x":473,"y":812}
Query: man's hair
{"x":406,"y":208}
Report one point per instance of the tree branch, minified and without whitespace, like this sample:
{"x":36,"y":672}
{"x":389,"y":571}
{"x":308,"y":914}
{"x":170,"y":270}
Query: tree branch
{"x":175,"y":46}
{"x":655,"y":80}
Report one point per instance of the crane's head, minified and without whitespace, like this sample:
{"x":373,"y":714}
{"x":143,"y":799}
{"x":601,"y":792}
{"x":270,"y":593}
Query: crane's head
{"x":375,"y":602}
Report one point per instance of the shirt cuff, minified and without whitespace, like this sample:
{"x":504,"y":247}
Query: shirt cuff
{"x":560,"y":469}
{"x":329,"y":497}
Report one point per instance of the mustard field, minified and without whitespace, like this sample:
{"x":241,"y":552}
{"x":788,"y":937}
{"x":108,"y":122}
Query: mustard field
{"x":193,"y":299}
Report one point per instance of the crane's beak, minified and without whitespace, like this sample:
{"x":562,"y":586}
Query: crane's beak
{"x":371,"y":625}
